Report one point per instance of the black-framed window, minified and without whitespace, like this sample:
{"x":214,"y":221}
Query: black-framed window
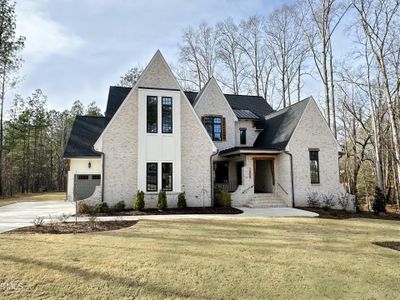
{"x":243,"y":140}
{"x":166,"y":176}
{"x":166,"y":114}
{"x":152,"y":114}
{"x":314,"y":166}
{"x":214,"y":127}
{"x":83,"y":177}
{"x":151,"y":177}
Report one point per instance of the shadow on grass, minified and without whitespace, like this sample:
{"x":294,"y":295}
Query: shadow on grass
{"x":94,"y":275}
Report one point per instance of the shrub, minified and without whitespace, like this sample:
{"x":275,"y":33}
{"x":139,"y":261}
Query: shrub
{"x":313,"y":200}
{"x":162,"y":201}
{"x":379,"y":205}
{"x":343,"y":200}
{"x":38,"y":221}
{"x":328,"y":201}
{"x":63,"y":218}
{"x":84,"y":208}
{"x":224,"y":198}
{"x":93,"y":222}
{"x":101,"y":207}
{"x":182,"y":201}
{"x":120,"y":205}
{"x":139,"y":201}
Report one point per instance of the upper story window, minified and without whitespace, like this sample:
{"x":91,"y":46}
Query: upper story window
{"x":243,"y":140}
{"x":166,"y":115}
{"x":215,"y":126}
{"x":152,"y":114}
{"x":314,"y":166}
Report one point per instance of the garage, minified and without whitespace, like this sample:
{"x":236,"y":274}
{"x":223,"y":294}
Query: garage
{"x":85,"y":184}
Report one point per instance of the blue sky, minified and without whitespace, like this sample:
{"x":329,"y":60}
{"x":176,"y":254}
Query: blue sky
{"x":76,"y":49}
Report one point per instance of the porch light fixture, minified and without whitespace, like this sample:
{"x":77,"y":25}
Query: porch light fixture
{"x":89,"y":165}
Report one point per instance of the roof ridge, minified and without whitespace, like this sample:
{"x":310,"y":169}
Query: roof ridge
{"x":284,"y":109}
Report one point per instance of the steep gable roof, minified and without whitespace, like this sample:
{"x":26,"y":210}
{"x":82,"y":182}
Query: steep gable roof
{"x":116,"y":96}
{"x":279,"y":126}
{"x":84,"y":133}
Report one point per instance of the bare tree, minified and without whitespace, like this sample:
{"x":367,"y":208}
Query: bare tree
{"x":287,"y":47}
{"x":380,"y":22}
{"x":198,"y":53}
{"x":230,"y":53}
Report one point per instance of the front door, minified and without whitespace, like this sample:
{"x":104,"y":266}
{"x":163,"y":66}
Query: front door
{"x":264,"y":176}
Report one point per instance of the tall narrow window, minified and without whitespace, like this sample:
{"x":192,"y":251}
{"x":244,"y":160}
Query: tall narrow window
{"x":152,"y":113}
{"x":166,"y":115}
{"x":243,"y":136}
{"x":314,"y":167}
{"x":214,"y":127}
{"x":167,"y":176}
{"x":151,"y":181}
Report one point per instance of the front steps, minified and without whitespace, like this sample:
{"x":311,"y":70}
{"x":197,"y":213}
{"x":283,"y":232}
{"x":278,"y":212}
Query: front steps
{"x":265,"y":200}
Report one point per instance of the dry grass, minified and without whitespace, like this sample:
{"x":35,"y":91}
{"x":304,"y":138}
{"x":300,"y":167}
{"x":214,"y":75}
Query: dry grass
{"x":33,"y":197}
{"x":272,"y":258}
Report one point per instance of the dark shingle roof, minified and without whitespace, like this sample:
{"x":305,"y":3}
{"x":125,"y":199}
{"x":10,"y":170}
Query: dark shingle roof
{"x":245,"y":114}
{"x":84,"y":134}
{"x":116,"y":96}
{"x":278,"y":127}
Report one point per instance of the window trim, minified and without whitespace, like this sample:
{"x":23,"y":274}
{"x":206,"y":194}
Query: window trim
{"x":147,"y":177}
{"x":310,"y":151}
{"x":172,"y":176}
{"x":163,"y":117}
{"x":147,"y":114}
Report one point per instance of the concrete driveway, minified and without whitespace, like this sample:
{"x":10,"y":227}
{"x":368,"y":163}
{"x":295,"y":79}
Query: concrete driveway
{"x":22,"y":214}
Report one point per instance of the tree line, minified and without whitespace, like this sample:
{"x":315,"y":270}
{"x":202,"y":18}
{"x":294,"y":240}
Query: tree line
{"x":273,"y":55}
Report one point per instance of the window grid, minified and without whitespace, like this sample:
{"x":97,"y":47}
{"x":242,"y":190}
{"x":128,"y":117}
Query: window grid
{"x":152,"y":114}
{"x":166,"y":115}
{"x":314,"y":167}
{"x":151,"y":178}
{"x":214,"y":127}
{"x":167,"y":177}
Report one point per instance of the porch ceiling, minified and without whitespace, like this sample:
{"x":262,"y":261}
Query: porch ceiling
{"x":248,"y":150}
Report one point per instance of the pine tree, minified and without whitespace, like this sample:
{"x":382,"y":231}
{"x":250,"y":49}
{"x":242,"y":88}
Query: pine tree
{"x":380,"y":201}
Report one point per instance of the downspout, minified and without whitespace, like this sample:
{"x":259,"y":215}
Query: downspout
{"x":211,"y":176}
{"x":291,"y":175}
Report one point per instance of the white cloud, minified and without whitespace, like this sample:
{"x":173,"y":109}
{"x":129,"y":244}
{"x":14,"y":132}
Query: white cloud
{"x":44,"y":36}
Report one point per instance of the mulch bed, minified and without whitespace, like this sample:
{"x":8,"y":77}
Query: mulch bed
{"x":171,"y":211}
{"x":341,"y":214}
{"x":71,"y":227}
{"x":392,"y":245}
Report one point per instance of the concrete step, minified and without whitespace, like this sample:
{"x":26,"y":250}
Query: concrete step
{"x":265,"y":201}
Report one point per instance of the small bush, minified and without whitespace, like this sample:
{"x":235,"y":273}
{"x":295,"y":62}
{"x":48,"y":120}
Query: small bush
{"x":38,"y":221}
{"x":182,"y":201}
{"x":93,"y":221}
{"x":343,"y":200}
{"x":328,"y":201}
{"x":120,"y":205}
{"x":84,"y":208}
{"x":379,"y":205}
{"x":101,"y":207}
{"x":313,"y":200}
{"x":63,"y":218}
{"x":139,"y":201}
{"x":224,"y":198}
{"x":162,"y":201}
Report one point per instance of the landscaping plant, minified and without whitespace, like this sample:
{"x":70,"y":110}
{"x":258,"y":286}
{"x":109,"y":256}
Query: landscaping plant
{"x":379,"y":205}
{"x":182,"y":200}
{"x":162,"y":200}
{"x":224,"y":198}
{"x":101,"y":207}
{"x":139,"y":201}
{"x":119,"y":206}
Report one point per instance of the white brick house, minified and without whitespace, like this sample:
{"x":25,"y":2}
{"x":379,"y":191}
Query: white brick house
{"x":156,"y":136}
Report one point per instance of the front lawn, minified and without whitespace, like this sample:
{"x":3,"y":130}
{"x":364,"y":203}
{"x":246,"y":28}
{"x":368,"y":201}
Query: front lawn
{"x":32,"y":197}
{"x":285,"y":258}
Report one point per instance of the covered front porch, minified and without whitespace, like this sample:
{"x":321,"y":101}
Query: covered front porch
{"x":255,"y":178}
